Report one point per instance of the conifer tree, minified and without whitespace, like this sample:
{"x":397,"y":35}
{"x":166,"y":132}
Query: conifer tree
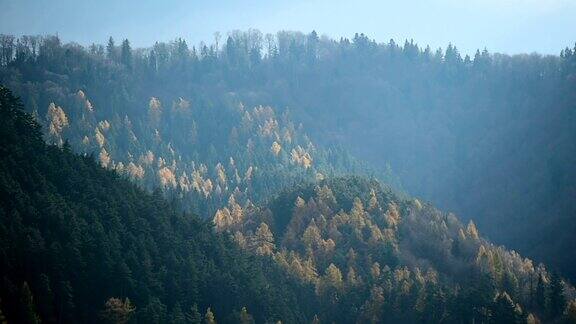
{"x":194,"y":315}
{"x":209,"y":317}
{"x":111,"y":49}
{"x":27,"y":304}
{"x":264,"y":240}
{"x":556,"y":298}
{"x":118,"y":311}
{"x":126,"y":54}
{"x":245,"y":318}
{"x":541,"y":293}
{"x":504,"y":309}
{"x":2,"y":317}
{"x":571,"y":312}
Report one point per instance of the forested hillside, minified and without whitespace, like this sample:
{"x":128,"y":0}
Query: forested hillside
{"x":375,"y":258}
{"x":490,"y":137}
{"x":198,"y":146}
{"x":80,"y":244}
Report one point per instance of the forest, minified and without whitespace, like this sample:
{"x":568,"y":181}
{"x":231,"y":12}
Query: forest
{"x":489,"y":137}
{"x":285,"y":177}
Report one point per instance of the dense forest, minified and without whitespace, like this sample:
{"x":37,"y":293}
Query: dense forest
{"x":373,"y":257}
{"x":80,"y":243}
{"x":489,"y":137}
{"x":285,"y":178}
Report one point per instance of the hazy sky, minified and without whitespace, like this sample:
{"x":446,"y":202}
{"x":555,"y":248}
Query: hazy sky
{"x":510,"y":26}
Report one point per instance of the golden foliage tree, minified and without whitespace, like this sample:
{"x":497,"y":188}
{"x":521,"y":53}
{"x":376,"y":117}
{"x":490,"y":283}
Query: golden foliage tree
{"x":264,"y":240}
{"x":245,"y":317}
{"x":118,"y":311}
{"x":209,"y":317}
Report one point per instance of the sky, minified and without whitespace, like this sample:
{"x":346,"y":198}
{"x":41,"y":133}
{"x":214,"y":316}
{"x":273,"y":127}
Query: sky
{"x":505,"y":26}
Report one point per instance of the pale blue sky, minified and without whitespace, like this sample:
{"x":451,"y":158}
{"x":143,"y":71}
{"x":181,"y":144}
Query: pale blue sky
{"x":509,"y":26}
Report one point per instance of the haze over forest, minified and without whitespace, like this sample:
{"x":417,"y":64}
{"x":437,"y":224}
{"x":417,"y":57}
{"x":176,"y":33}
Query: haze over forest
{"x":506,"y":26}
{"x":299,"y":162}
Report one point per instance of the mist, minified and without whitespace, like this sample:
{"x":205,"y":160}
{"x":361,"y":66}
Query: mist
{"x":510,"y":27}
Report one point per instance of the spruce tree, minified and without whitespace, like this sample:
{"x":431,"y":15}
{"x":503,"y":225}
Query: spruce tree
{"x":556,"y":298}
{"x":27,"y":304}
{"x":111,"y":49}
{"x":126,"y":54}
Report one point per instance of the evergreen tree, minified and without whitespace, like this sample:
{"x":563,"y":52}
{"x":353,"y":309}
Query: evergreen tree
{"x":126,"y":54}
{"x":556,"y":298}
{"x":194,"y":315}
{"x":111,"y":49}
{"x":178,"y":316}
{"x":541,"y":293}
{"x":504,"y":310}
{"x":27,"y":304}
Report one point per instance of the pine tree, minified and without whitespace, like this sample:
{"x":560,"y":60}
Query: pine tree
{"x":194,"y":315}
{"x":504,"y":310}
{"x":45,"y":299}
{"x":27,"y":305}
{"x":126,"y":54}
{"x":178,"y":316}
{"x":111,"y":49}
{"x":556,"y":298}
{"x":541,"y":293}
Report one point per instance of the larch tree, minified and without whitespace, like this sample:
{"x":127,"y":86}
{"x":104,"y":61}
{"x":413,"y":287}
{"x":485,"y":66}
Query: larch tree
{"x":264,"y":240}
{"x":392,"y":215}
{"x":532,"y":319}
{"x":275,"y":148}
{"x":472,"y":231}
{"x":57,"y":121}
{"x":333,"y":276}
{"x":209,"y":317}
{"x":154,"y":111}
{"x":375,"y":270}
{"x":245,"y":317}
{"x":117,"y":311}
{"x":571,"y":312}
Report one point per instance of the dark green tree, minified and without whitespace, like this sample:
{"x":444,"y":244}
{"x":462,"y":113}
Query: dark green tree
{"x":126,"y":54}
{"x":28,"y":307}
{"x":194,"y":316}
{"x":111,"y":49}
{"x":556,"y":298}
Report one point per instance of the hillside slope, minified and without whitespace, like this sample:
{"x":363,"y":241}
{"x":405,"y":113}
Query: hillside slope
{"x":74,"y":235}
{"x":76,"y":240}
{"x":374,"y":257}
{"x":490,"y":137}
